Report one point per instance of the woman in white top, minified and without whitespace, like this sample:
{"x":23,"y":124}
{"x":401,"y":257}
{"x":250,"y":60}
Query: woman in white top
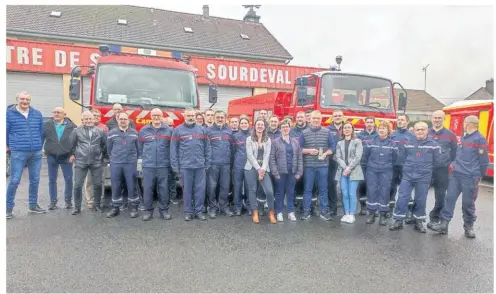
{"x":258,"y":147}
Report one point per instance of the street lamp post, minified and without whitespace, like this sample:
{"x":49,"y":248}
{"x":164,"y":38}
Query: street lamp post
{"x":424,"y":69}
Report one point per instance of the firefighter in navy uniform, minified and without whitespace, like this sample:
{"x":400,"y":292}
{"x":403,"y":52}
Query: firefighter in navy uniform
{"x":367,"y":136}
{"x":469,"y":167}
{"x":154,"y":146}
{"x":219,"y":174}
{"x":400,"y":136}
{"x":440,"y":175}
{"x":296,"y":132}
{"x":190,"y":157}
{"x":122,"y":146}
{"x":420,"y":155}
{"x":335,"y":127}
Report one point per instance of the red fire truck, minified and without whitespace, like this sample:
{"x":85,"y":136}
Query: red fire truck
{"x":139,"y":83}
{"x":484,"y":110}
{"x":357,"y":95}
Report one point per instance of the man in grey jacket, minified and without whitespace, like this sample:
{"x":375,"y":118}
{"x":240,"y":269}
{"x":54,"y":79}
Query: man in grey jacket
{"x":89,"y":148}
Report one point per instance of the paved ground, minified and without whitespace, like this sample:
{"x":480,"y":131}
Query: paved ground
{"x":58,"y":252}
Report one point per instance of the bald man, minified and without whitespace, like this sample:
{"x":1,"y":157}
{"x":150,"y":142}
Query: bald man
{"x":89,"y":149}
{"x":58,"y":151}
{"x":469,"y":167}
{"x":112,"y":124}
{"x":440,"y":175}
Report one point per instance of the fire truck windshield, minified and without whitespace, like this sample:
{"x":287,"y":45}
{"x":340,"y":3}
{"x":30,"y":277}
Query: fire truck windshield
{"x":145,"y":86}
{"x":356,"y":92}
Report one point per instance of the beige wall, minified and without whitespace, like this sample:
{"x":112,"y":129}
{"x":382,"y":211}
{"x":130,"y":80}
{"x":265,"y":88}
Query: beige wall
{"x":257,"y":91}
{"x":72,"y":109}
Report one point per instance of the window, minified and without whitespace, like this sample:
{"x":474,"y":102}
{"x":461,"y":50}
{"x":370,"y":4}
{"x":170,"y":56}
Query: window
{"x":122,"y":22}
{"x":356,"y":92}
{"x":188,"y":29}
{"x":245,"y":36}
{"x":56,"y":14}
{"x":145,"y":86}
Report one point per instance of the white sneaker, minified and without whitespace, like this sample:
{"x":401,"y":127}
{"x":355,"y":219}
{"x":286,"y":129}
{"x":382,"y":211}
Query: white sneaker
{"x":291,"y":216}
{"x":279,"y":217}
{"x":351,"y":218}
{"x":344,"y":219}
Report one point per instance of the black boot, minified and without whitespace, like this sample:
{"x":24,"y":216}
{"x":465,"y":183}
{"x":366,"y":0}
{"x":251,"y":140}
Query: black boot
{"x":432,"y":222}
{"x":53,"y":205}
{"x":383,"y":219}
{"x":419,"y":226}
{"x":371,"y":218}
{"x":114,"y":212}
{"x":410,"y":220}
{"x":77,"y":210}
{"x":98,"y":208}
{"x":68,"y":204}
{"x":134,"y":212}
{"x":396,"y":225}
{"x":469,"y":231}
{"x":363,"y":209}
{"x":440,"y":227}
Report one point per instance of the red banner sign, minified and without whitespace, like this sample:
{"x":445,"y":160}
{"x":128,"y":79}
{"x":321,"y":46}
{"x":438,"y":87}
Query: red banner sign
{"x":60,"y":58}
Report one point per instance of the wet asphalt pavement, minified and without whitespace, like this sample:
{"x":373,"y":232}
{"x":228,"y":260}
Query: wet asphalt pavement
{"x":58,"y":252}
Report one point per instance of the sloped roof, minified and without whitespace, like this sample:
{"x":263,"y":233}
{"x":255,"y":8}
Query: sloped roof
{"x":481,"y":94}
{"x":420,"y":100}
{"x":146,"y":28}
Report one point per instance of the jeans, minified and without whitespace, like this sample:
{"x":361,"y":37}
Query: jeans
{"x":285,"y":186}
{"x":319,"y":174}
{"x":53,"y":171}
{"x":80,"y":173}
{"x":251,"y":176}
{"x":18,"y":160}
{"x":348,"y":190}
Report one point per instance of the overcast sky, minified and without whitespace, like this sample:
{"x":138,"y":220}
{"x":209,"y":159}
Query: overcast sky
{"x":391,"y":41}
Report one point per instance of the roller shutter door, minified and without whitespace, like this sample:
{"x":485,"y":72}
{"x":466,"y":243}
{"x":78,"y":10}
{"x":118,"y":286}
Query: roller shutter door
{"x":224,"y":95}
{"x":46,"y":90}
{"x":86,"y":90}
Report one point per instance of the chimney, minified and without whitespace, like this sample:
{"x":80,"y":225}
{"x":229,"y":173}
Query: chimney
{"x":490,"y":86}
{"x":251,"y":15}
{"x":206,"y":13}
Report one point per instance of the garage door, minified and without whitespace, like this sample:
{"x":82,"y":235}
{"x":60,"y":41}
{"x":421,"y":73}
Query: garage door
{"x":224,"y":95}
{"x":46,"y":90}
{"x":86,"y":90}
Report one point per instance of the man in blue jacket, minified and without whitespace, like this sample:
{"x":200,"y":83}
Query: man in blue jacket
{"x":367,"y":136}
{"x":154,"y":147}
{"x":400,"y":136}
{"x":25,"y":136}
{"x":274,"y":132}
{"x":219,"y":173}
{"x":468,"y":168}
{"x":420,"y":155}
{"x":335,"y":127}
{"x":440,"y":175}
{"x":122,"y":146}
{"x":190,"y":157}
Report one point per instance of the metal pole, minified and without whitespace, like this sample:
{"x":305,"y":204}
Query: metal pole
{"x":425,"y":76}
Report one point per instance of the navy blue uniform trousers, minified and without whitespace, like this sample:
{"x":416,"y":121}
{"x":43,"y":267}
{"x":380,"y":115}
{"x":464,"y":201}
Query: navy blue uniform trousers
{"x":419,"y":200}
{"x":193,"y":181}
{"x":440,"y":178}
{"x":128,"y":173}
{"x":218,"y":176}
{"x":154,"y":178}
{"x":378,"y":188}
{"x":466,"y":185}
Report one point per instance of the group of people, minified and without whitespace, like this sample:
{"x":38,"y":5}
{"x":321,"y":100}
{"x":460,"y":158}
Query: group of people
{"x":268,"y":164}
